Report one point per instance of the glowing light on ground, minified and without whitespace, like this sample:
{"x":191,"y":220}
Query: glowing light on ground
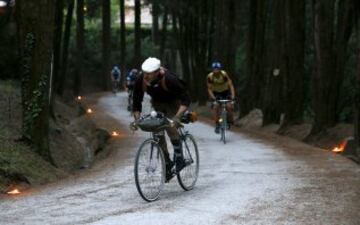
{"x":79,"y":98}
{"x":14,"y":192}
{"x":339,"y":148}
{"x":89,"y":110}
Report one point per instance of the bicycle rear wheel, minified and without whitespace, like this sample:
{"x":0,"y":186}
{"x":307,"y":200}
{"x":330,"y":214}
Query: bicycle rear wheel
{"x":149,"y":170}
{"x":188,"y":176}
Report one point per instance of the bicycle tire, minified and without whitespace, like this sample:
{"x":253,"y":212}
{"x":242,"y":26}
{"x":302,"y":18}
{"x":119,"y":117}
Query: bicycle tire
{"x":188,"y":176}
{"x":223,"y":127}
{"x":149,"y":176}
{"x":223,"y":135}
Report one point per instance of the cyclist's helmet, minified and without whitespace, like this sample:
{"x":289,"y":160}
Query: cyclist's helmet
{"x":133,"y":72}
{"x":216,"y":65}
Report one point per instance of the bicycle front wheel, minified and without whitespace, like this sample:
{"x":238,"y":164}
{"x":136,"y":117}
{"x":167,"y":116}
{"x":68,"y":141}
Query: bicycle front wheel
{"x":149,"y":170}
{"x":223,"y":136}
{"x":188,"y":176}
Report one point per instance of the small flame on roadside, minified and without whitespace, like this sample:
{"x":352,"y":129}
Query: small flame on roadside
{"x":89,"y":110}
{"x":114,"y":134}
{"x":79,"y":98}
{"x":14,"y":192}
{"x":339,"y":148}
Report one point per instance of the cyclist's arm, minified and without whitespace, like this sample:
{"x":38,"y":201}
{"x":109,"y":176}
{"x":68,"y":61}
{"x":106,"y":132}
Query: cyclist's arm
{"x":181,"y":110}
{"x":232,"y":89}
{"x":209,"y":88}
{"x":136,"y":115}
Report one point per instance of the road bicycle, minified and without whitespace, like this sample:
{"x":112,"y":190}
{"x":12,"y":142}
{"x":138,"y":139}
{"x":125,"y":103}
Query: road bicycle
{"x":150,"y":167}
{"x":223,"y":120}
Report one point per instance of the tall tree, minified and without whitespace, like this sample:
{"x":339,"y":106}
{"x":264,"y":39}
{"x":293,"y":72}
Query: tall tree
{"x":59,"y":8}
{"x":164,"y":33}
{"x":35,"y":36}
{"x":330,"y":47}
{"x":137,"y":46}
{"x":106,"y":42}
{"x":252,"y":93}
{"x":295,"y":60}
{"x":122,"y":40}
{"x":275,"y":74}
{"x":80,"y":44}
{"x":65,"y":47}
{"x":357,"y":84}
{"x":155,"y":11}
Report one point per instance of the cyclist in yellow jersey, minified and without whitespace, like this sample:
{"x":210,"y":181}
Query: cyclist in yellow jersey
{"x":220,"y":86}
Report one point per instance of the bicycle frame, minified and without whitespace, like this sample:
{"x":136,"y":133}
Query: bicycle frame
{"x":223,"y":118}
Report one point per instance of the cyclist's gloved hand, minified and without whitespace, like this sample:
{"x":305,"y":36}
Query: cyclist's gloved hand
{"x":133,"y":125}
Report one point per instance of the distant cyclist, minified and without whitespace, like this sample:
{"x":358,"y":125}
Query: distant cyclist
{"x":115,"y":78}
{"x":130,"y":83}
{"x":220,"y":86}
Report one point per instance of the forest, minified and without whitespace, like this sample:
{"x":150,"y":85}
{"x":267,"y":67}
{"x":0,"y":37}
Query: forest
{"x":296,"y":61}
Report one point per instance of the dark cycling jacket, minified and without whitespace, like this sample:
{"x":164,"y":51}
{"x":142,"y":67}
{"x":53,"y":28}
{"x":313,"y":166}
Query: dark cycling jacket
{"x":130,"y":80}
{"x":175,"y":92}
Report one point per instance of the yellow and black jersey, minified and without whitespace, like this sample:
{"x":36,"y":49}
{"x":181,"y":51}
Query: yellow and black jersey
{"x":218,"y":83}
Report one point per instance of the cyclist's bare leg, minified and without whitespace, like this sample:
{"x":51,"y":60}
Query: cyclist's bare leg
{"x":216,"y":112}
{"x":230,"y":109}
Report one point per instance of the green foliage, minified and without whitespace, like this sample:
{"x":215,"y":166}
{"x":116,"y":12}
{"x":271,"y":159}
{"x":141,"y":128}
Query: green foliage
{"x":93,"y":51}
{"x":93,"y":9}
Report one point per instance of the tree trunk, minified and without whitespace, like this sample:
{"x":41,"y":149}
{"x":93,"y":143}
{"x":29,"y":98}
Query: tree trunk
{"x":325,"y":64}
{"x":155,"y":21}
{"x":295,"y":60}
{"x":343,"y":28}
{"x":275,"y":75}
{"x":59,"y":8}
{"x":35,"y":36}
{"x":330,"y":59}
{"x":137,"y":47}
{"x":106,"y":42}
{"x":122,"y":40}
{"x":164,"y":34}
{"x":65,"y":48}
{"x":79,"y":47}
{"x":357,"y":85}
{"x":251,"y":96}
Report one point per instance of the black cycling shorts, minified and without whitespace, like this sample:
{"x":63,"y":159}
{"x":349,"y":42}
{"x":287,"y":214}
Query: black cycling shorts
{"x":222,"y":95}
